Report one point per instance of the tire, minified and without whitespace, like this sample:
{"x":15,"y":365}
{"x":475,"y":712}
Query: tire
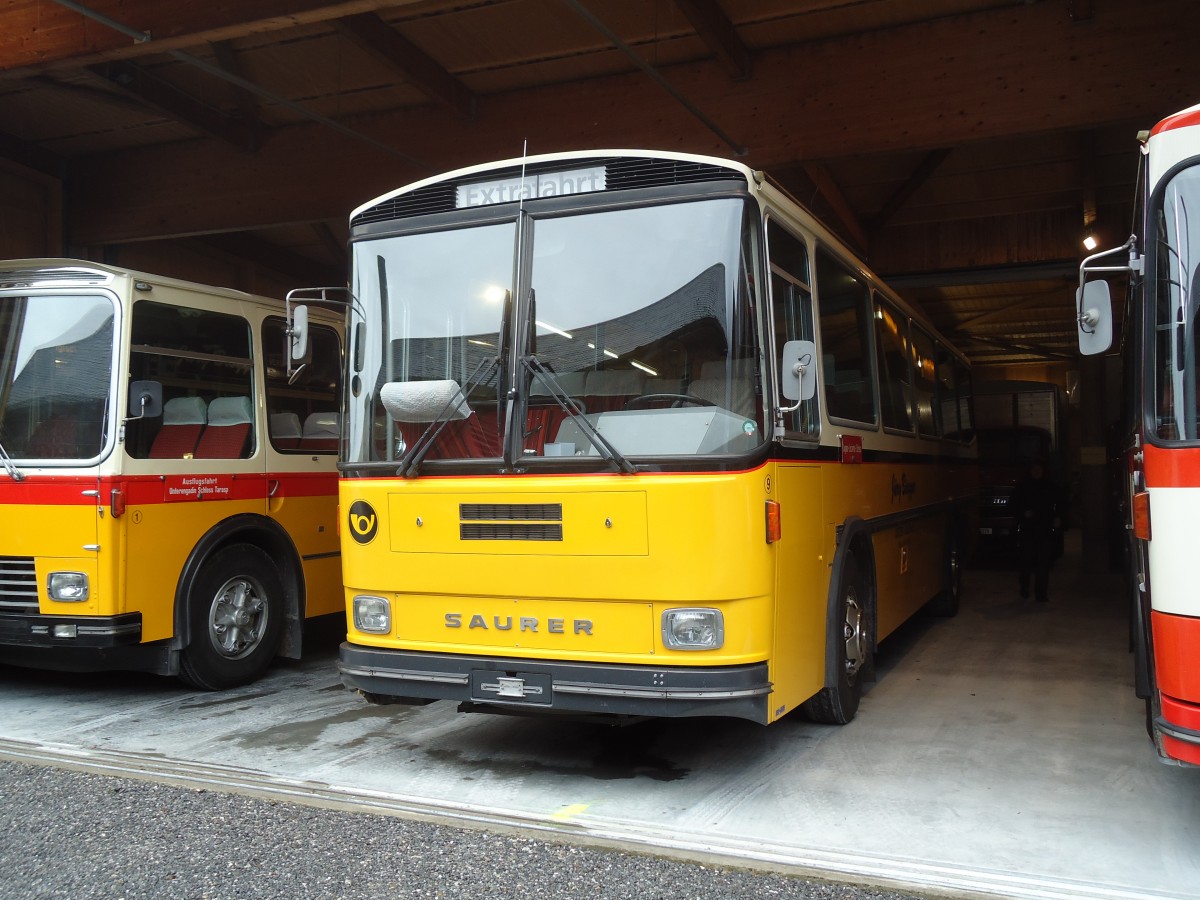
{"x":946,"y":602}
{"x":850,"y":639}
{"x":235,"y":618}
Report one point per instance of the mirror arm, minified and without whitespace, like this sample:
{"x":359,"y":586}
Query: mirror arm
{"x":798,"y":370}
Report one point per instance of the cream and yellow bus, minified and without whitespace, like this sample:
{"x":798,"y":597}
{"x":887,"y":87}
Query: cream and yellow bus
{"x":631,"y":433}
{"x":168,"y":497}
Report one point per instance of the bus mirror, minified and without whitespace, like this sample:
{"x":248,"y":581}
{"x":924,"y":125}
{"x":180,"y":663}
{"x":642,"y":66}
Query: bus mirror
{"x":798,"y":375}
{"x":424,"y":401}
{"x":1094,"y":308}
{"x":145,"y":400}
{"x":298,"y":331}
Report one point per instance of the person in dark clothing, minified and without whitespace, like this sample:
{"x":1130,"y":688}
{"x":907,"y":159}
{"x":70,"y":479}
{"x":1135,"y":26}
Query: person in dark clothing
{"x":1038,"y":505}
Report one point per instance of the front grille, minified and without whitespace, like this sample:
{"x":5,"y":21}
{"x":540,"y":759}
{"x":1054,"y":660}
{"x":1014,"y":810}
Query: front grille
{"x":18,"y":584}
{"x":510,"y":522}
{"x":503,"y":531}
{"x":622,"y":173}
{"x":524,"y":512}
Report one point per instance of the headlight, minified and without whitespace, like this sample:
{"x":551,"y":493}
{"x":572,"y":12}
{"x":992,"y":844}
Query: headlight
{"x":68,"y":587}
{"x":693,"y":629}
{"x":372,"y":615}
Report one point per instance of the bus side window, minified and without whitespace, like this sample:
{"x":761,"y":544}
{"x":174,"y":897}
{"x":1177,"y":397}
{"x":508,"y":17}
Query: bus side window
{"x":929,"y":410}
{"x":791,"y":311}
{"x":895,"y":369}
{"x":846,"y":365}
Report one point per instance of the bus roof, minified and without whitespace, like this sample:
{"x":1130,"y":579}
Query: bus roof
{"x":551,"y":158}
{"x":1182,"y":119}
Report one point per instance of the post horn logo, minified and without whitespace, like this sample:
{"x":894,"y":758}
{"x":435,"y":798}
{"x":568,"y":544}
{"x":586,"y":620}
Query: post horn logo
{"x":364,"y":524}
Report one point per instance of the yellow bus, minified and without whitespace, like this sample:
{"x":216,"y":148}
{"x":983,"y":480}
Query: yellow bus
{"x":168,"y":496}
{"x":631,"y":433}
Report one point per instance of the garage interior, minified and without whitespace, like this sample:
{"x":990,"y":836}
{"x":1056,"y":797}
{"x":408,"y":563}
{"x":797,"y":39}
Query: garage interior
{"x":964,"y":147}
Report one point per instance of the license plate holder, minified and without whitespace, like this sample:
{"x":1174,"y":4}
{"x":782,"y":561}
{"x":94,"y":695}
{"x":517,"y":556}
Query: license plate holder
{"x":527,"y":688}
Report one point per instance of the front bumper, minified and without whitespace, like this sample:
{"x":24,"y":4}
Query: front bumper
{"x":90,"y":632}
{"x":537,"y":684}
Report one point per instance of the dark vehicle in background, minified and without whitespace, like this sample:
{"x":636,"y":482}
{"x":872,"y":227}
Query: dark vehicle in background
{"x":1005,"y":455}
{"x":1017,"y":425}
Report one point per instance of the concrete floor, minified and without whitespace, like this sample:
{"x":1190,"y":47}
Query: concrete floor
{"x":1001,"y":752}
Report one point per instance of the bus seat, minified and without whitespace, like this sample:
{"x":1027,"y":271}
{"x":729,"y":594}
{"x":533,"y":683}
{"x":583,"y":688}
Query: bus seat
{"x":320,"y":432}
{"x":285,"y":430}
{"x":735,"y":394}
{"x":228,"y":433}
{"x":183,"y":420}
{"x":611,"y":389}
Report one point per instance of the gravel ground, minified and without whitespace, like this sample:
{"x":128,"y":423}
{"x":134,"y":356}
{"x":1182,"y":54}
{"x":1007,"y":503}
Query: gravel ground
{"x":69,"y":834}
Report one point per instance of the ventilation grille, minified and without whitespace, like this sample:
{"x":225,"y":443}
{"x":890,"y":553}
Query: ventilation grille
{"x":524,"y":512}
{"x":516,"y":531}
{"x":622,"y":174}
{"x":18,"y":584}
{"x":510,"y":522}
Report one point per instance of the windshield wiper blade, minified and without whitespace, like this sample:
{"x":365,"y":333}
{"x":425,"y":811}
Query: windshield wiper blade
{"x":410,"y":462}
{"x":535,"y":367}
{"x":13,"y":472}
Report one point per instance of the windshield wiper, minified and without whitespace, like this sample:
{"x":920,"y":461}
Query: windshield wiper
{"x":13,"y":472}
{"x":536,"y":369}
{"x":410,"y":462}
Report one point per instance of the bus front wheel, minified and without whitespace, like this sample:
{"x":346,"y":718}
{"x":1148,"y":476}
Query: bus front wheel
{"x":850,"y":639}
{"x":235,"y":618}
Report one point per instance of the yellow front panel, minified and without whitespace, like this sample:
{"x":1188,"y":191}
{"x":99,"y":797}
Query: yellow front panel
{"x":630,"y":548}
{"x":55,"y":536}
{"x":608,"y":523}
{"x":527,"y":624}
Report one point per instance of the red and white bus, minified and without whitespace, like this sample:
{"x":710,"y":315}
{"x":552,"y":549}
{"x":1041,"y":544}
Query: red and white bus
{"x":1160,"y":422}
{"x":167,"y":492}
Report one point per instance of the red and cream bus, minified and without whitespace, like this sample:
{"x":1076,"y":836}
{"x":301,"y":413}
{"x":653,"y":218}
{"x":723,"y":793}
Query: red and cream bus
{"x":1160,"y":350}
{"x":167,"y":495}
{"x":631,"y":433}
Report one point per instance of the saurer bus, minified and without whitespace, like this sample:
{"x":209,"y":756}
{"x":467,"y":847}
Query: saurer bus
{"x":631,"y":434}
{"x":1160,"y":423}
{"x":168,"y":496}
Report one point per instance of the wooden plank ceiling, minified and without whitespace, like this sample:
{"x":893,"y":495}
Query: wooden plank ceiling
{"x":962,"y":146}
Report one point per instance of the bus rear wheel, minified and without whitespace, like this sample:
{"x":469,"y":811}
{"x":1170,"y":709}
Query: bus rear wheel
{"x":850,"y":638}
{"x":235,"y":618}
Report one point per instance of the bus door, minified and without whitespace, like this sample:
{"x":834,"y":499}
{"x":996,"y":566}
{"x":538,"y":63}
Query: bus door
{"x":191,"y":471}
{"x":302,"y":435}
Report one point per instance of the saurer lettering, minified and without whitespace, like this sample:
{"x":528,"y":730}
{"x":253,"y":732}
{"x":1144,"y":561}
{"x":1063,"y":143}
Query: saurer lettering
{"x":521,"y":623}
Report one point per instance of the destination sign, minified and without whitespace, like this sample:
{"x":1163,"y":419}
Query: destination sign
{"x":530,"y":187}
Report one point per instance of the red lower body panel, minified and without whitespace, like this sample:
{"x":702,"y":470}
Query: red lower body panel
{"x":1177,"y":671}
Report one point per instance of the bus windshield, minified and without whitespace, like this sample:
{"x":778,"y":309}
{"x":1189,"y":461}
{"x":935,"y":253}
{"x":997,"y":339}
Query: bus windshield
{"x":618,"y":332}
{"x":1175,"y":248}
{"x":56,"y":354}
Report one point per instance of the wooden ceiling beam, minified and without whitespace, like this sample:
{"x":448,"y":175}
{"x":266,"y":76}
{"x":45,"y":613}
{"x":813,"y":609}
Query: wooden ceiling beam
{"x":719,"y":34}
{"x":38,"y":34}
{"x":837,"y":201}
{"x":253,"y":249}
{"x":909,"y":106}
{"x":921,"y":174}
{"x":247,"y":103}
{"x":174,"y":103}
{"x":31,"y":157}
{"x":417,"y":67}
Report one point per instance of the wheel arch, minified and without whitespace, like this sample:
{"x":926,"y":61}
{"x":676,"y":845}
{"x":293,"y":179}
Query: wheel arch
{"x":853,"y":542}
{"x":267,"y":535}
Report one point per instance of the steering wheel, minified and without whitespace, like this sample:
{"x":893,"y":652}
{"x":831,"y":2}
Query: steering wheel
{"x":676,"y":398}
